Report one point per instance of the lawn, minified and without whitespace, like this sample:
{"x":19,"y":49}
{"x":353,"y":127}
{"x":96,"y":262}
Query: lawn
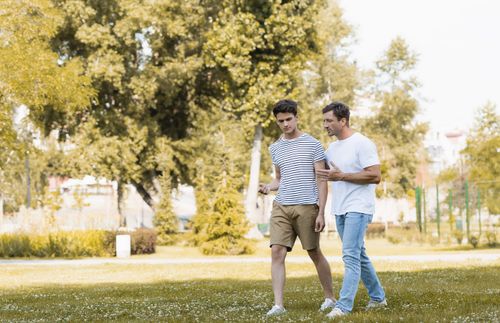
{"x":467,"y":291}
{"x":331,"y":246}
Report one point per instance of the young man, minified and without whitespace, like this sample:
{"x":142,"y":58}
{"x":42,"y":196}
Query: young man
{"x":298,"y":209}
{"x":354,"y":170}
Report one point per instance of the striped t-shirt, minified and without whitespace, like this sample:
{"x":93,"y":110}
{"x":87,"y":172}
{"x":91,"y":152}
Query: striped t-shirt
{"x":295,"y":159}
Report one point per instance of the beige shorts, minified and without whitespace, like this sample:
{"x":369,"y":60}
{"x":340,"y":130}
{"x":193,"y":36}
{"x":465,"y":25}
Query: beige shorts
{"x":290,"y":221}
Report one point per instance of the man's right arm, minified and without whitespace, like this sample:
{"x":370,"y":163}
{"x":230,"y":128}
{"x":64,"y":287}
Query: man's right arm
{"x":274,"y":185}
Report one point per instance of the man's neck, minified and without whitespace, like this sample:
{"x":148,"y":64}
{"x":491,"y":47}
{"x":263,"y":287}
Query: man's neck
{"x":292,"y":135}
{"x":345,"y":133}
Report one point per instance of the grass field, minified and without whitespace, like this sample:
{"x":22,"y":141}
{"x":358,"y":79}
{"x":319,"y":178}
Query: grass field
{"x":468,"y":291}
{"x":331,"y":246}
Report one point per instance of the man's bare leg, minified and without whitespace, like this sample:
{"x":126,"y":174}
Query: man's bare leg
{"x":324,"y":272}
{"x":278,"y":273}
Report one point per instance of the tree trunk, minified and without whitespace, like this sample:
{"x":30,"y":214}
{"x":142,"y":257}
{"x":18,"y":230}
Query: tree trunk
{"x":1,"y":212}
{"x":143,"y":192}
{"x":253,"y":185}
{"x":120,"y":193}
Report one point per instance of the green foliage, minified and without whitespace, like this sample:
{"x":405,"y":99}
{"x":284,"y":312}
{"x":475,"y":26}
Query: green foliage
{"x":221,"y":229}
{"x":483,"y":158}
{"x":165,"y":221}
{"x":143,"y":241}
{"x":59,"y":244}
{"x":491,"y":237}
{"x":91,"y":243}
{"x":459,"y":235}
{"x":393,"y":127}
{"x":54,"y":88}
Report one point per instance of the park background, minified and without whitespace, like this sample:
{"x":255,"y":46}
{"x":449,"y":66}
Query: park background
{"x":153,"y":119}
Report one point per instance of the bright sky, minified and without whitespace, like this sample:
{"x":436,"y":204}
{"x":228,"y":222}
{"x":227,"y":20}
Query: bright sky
{"x":458,"y":42}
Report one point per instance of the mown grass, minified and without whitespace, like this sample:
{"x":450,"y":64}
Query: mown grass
{"x":239,"y":293}
{"x":332,"y":246}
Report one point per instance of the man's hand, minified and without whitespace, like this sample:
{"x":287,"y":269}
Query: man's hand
{"x":332,"y":174}
{"x":320,"y":223}
{"x":264,"y":188}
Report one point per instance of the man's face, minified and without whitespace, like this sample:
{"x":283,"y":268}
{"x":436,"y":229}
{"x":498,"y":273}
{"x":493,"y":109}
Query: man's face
{"x":332,"y":125}
{"x":287,"y":122}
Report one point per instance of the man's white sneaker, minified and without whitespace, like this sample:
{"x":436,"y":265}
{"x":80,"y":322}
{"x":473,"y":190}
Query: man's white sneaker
{"x":336,"y":312}
{"x":276,"y":310}
{"x":376,"y":304}
{"x":328,"y":303}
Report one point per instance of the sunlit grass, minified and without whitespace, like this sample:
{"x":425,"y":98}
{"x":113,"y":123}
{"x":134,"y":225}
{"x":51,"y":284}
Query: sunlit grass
{"x":241,"y":292}
{"x":331,"y":246}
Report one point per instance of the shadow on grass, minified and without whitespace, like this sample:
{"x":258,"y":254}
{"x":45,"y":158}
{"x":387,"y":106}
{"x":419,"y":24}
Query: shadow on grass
{"x":432,"y":295}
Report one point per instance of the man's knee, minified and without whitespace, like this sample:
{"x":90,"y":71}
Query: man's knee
{"x":315,"y":254}
{"x":278,"y":253}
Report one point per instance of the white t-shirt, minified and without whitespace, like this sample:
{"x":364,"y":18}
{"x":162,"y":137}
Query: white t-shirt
{"x":352,"y":155}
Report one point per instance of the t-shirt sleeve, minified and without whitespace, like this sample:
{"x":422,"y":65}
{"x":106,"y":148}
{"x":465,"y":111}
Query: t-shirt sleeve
{"x":273,"y":155}
{"x":368,"y":154}
{"x":319,"y":152}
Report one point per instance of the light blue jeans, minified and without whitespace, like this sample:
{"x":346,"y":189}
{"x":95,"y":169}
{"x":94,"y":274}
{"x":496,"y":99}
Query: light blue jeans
{"x":351,"y":228}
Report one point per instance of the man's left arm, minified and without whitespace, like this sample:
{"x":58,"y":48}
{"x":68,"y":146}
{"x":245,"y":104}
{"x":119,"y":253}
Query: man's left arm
{"x":369,"y":175}
{"x":323,"y":192}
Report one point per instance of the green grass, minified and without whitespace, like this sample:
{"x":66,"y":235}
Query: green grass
{"x":459,"y":292}
{"x":331,"y":246}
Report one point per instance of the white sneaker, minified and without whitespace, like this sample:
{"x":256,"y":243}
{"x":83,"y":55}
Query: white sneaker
{"x":336,"y":312}
{"x":375,"y":304}
{"x":276,"y":310}
{"x":328,"y":303}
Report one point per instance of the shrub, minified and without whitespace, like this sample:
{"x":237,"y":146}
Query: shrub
{"x":92,"y":243}
{"x":59,"y":244}
{"x":474,"y":240}
{"x":375,"y":230}
{"x":394,"y":237}
{"x":492,"y":239}
{"x":143,"y":241}
{"x":459,"y":235}
{"x":220,"y":229}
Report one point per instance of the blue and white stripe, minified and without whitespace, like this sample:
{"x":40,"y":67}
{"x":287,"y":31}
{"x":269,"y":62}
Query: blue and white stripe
{"x":295,"y":159}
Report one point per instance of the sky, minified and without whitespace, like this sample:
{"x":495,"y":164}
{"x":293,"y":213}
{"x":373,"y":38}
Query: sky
{"x":458,"y":45}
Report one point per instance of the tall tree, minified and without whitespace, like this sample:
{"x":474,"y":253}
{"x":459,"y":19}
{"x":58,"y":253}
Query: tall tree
{"x":483,"y":157}
{"x":257,"y":51}
{"x":32,"y":74}
{"x":143,"y":59}
{"x":393,"y":126}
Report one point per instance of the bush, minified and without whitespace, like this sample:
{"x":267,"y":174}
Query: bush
{"x":227,"y":246}
{"x":459,"y":235}
{"x":143,"y":241}
{"x":395,"y":239}
{"x":375,"y":230}
{"x":492,"y":239}
{"x":407,"y":233}
{"x":474,"y":240}
{"x":92,"y":243}
{"x":59,"y":244}
{"x":221,"y":227}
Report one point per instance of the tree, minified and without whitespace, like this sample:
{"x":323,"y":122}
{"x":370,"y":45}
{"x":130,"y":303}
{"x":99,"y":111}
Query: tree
{"x":31,"y":74}
{"x":482,"y":156}
{"x":256,"y":52}
{"x":392,"y":126}
{"x":143,"y":59}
